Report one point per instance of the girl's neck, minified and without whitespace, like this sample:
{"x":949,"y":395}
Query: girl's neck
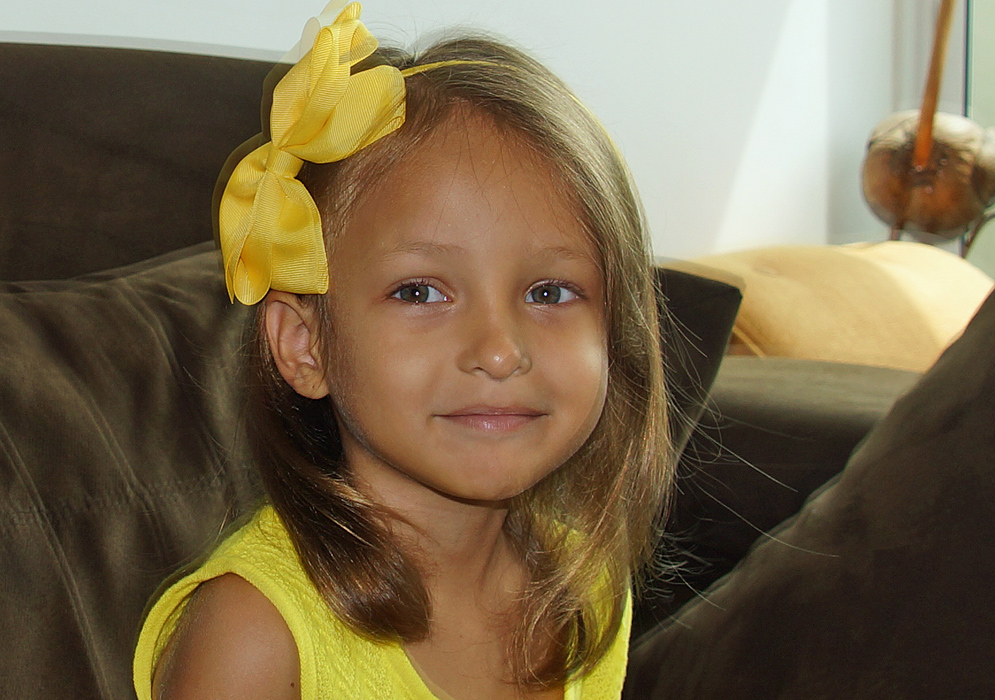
{"x":459,"y":545}
{"x":474,"y":580}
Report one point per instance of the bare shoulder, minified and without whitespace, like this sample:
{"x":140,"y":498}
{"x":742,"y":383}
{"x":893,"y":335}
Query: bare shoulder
{"x":231,"y":642}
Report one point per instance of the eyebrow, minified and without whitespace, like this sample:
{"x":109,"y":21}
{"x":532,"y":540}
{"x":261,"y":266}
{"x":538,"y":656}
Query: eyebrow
{"x":432,"y":248}
{"x":557,"y":251}
{"x":423,"y":248}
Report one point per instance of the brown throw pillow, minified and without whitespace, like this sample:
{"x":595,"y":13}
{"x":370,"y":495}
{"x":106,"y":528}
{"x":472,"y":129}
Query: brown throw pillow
{"x":880,"y":586}
{"x":119,"y":460}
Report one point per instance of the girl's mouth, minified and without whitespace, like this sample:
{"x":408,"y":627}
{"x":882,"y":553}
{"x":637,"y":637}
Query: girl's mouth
{"x":493,"y":418}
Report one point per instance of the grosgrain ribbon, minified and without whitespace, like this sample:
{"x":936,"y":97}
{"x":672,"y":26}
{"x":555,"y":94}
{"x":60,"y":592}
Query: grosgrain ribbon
{"x":269,"y":226}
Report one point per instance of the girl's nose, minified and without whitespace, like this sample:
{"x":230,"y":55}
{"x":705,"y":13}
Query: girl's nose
{"x":494,"y":346}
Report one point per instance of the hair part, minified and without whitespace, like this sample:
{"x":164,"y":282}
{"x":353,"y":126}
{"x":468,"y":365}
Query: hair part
{"x":586,"y":530}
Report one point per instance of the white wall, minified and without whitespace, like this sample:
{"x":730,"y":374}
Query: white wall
{"x":981,"y":107}
{"x":982,"y":73}
{"x":744,"y":122}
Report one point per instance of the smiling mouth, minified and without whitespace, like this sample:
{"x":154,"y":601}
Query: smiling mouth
{"x":495,"y":419}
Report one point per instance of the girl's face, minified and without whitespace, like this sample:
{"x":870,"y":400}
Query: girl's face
{"x":468,"y":346}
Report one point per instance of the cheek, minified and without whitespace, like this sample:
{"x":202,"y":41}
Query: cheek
{"x":379,"y":368}
{"x":577,"y":364}
{"x":594,"y":366}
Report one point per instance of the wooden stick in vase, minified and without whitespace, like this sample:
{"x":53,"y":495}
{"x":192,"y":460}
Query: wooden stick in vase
{"x":924,"y":137}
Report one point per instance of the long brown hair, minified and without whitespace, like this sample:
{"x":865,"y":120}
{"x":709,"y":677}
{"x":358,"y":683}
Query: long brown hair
{"x":586,"y":530}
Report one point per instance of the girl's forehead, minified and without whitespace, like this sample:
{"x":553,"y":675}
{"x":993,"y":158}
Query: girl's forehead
{"x":468,"y":179}
{"x":473,"y":141}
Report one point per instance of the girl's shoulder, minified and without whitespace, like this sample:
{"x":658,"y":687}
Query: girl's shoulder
{"x":257,"y":568}
{"x":248,"y":599}
{"x":230,"y":642}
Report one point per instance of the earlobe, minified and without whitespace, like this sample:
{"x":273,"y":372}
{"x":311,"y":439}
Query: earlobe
{"x":290,"y":330}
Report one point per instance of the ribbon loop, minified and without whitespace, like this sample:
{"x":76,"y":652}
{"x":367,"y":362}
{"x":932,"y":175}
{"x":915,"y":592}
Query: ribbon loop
{"x":269,"y":225}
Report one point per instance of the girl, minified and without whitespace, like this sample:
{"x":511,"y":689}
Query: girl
{"x":457,"y":405}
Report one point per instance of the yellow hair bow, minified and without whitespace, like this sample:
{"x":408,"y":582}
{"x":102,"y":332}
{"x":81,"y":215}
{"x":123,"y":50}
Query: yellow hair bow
{"x":269,"y":226}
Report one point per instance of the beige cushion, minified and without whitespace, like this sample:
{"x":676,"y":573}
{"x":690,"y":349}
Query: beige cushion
{"x":892,"y":304}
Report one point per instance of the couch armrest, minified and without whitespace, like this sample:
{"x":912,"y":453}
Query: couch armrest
{"x":776,"y":429}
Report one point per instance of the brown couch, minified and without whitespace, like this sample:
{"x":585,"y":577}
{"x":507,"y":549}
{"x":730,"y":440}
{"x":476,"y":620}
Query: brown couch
{"x":121,"y":453}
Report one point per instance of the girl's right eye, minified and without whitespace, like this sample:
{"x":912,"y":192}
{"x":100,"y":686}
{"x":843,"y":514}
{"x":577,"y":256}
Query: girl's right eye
{"x":419,"y":294}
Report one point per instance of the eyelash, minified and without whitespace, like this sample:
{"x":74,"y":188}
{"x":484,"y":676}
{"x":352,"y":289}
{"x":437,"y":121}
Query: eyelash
{"x":416,"y":283}
{"x":571,"y":288}
{"x":563,"y":284}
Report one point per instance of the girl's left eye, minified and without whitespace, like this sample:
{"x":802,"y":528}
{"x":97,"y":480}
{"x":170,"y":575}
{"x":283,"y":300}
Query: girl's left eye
{"x":549,"y":294}
{"x":419,"y":294}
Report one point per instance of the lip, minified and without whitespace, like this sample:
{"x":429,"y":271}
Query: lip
{"x":494,"y":419}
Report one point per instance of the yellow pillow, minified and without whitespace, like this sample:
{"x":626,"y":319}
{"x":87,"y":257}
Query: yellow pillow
{"x":892,"y":304}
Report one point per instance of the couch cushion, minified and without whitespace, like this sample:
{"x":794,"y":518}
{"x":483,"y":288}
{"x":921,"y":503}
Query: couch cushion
{"x":120,"y":459}
{"x":696,"y":317}
{"x":880,"y":587}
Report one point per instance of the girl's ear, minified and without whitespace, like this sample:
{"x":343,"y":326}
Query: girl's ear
{"x":293,"y":342}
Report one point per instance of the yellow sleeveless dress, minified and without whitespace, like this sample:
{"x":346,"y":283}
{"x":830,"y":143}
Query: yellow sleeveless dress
{"x":335,"y":662}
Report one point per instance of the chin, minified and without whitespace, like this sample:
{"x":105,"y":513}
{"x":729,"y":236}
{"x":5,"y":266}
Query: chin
{"x":496,"y":491}
{"x":480,"y":490}
{"x":497,"y":497}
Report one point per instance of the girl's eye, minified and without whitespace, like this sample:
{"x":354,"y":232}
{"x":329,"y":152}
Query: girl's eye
{"x":549,"y":294}
{"x":419,"y":294}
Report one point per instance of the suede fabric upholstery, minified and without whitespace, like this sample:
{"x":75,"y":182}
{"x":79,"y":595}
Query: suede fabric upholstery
{"x":120,"y":459}
{"x":110,"y":155}
{"x":696,"y":315}
{"x":880,"y":586}
{"x":774,"y":431}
